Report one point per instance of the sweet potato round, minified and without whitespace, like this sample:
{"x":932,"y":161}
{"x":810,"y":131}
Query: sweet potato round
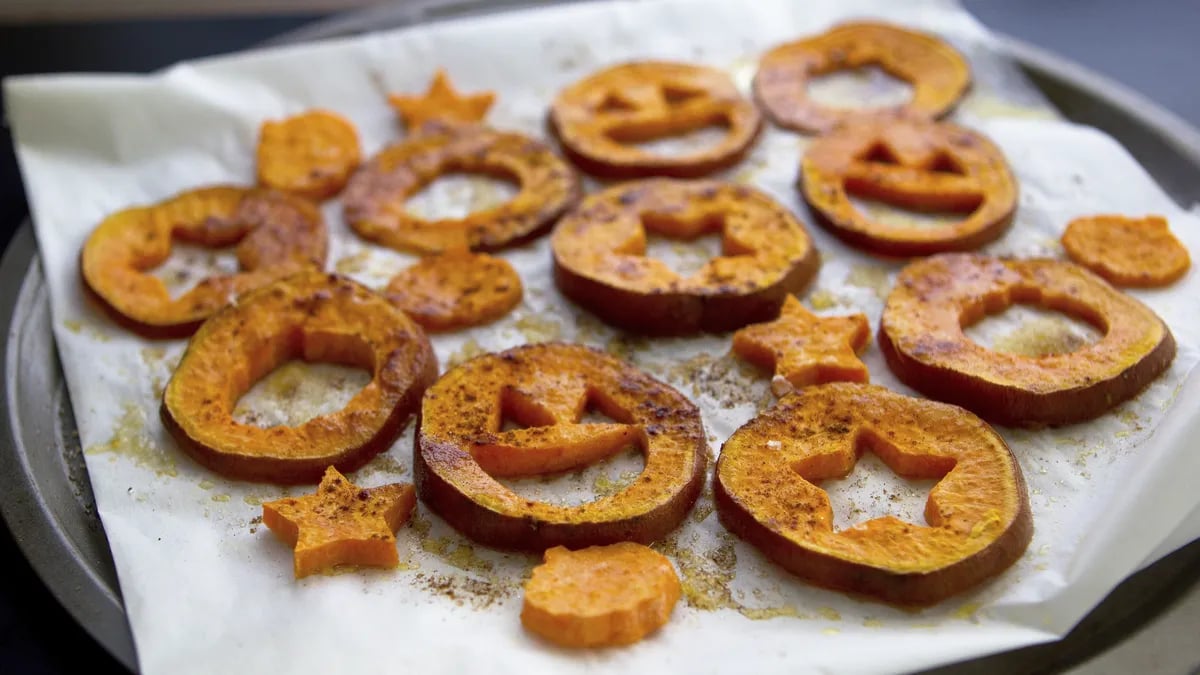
{"x":374,"y":198}
{"x":939,"y":74}
{"x":316,"y":317}
{"x":547,"y":387}
{"x":600,"y":119}
{"x":921,"y":337}
{"x":916,"y":165}
{"x":600,"y":263}
{"x":276,"y":235}
{"x":978,"y":518}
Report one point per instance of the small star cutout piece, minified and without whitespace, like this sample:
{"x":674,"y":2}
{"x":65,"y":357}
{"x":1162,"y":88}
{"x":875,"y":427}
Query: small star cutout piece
{"x":341,"y":524}
{"x":441,"y":103}
{"x":804,"y":349}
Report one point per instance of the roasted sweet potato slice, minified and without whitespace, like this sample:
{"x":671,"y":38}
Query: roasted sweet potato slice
{"x":548,"y":387}
{"x":602,"y":596}
{"x":342,"y":524}
{"x":455,"y":290}
{"x":939,"y":75}
{"x":921,"y":337}
{"x":276,"y":235}
{"x":311,"y":154}
{"x":316,"y":317}
{"x":600,"y":119}
{"x":374,"y":200}
{"x":441,"y":104}
{"x":802,"y":348}
{"x":915,"y":165}
{"x":1127,"y":251}
{"x":978,"y":523}
{"x":600,"y":262}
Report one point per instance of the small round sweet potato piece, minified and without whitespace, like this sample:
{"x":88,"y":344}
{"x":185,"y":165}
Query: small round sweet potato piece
{"x":311,"y":154}
{"x":921,"y":337}
{"x":316,"y":317}
{"x":460,"y":446}
{"x":602,"y":596}
{"x":277,"y":235}
{"x":1127,"y":251}
{"x":940,"y":76}
{"x":600,"y":119}
{"x":456,"y":290}
{"x":978,"y":522}
{"x":599,"y":256}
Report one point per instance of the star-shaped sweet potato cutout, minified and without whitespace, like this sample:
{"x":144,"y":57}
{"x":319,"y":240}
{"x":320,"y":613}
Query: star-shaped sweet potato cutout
{"x":804,"y":349}
{"x":441,"y":103}
{"x":342,"y":524}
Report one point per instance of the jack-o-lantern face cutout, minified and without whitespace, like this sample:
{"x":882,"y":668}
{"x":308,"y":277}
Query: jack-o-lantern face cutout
{"x":461,"y":447}
{"x":600,"y":119}
{"x":913,"y":165}
{"x":600,"y":262}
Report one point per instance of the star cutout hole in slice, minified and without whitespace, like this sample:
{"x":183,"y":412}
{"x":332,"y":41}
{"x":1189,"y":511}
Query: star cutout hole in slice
{"x":568,"y":447}
{"x":803,"y":349}
{"x":342,"y":524}
{"x":873,"y":490}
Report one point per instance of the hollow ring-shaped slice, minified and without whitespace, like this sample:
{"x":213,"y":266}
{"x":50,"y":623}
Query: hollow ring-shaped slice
{"x":374,"y":200}
{"x":978,"y":522}
{"x":909,"y":164}
{"x":315,"y":317}
{"x":276,"y":235}
{"x":921,"y":337}
{"x":599,"y":256}
{"x":460,"y":446}
{"x":939,"y":75}
{"x":600,"y":119}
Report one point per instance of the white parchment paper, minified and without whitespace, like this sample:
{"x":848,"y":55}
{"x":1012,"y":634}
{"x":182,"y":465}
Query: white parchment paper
{"x":208,"y":589}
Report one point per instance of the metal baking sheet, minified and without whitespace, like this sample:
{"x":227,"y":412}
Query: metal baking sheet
{"x":48,"y":504}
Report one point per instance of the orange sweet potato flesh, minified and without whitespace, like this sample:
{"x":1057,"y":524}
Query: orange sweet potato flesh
{"x":456,"y":290}
{"x":803,"y":349}
{"x":316,"y":317}
{"x":921,"y":337}
{"x":374,"y":200}
{"x":342,"y":524}
{"x":600,"y":262}
{"x":915,"y":165}
{"x":311,"y":154}
{"x":460,"y":446}
{"x":939,"y":75}
{"x":602,"y":596}
{"x":978,"y":522}
{"x":276,"y":235}
{"x":600,"y":119}
{"x":1127,"y":251}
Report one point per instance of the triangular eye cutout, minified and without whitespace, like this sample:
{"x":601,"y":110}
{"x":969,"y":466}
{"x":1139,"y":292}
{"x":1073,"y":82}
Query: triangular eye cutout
{"x":944,"y":163}
{"x":880,"y":153}
{"x":675,"y":95}
{"x":518,"y":412}
{"x":614,"y":103}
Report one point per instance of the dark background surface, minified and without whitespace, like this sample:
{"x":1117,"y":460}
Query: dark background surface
{"x":1150,"y":46}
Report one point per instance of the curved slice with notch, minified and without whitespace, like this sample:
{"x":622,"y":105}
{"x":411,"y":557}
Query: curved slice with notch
{"x":600,"y":262}
{"x":914,"y":165}
{"x":316,"y":317}
{"x":549,"y":386}
{"x":978,"y":517}
{"x":276,"y":235}
{"x":921,"y":337}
